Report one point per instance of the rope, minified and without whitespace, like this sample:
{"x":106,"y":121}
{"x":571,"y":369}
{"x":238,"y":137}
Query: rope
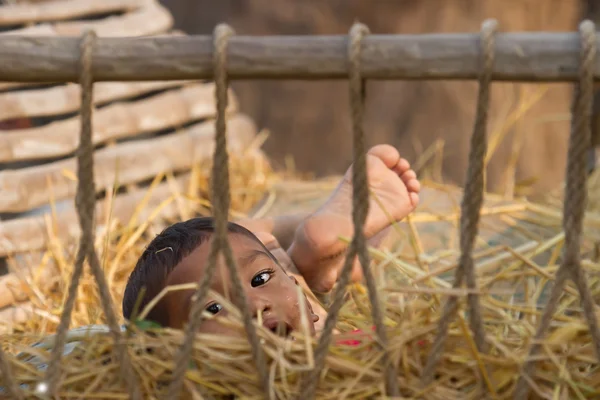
{"x":221,"y":201}
{"x":574,"y":206}
{"x":85,"y":202}
{"x":358,"y":246}
{"x":470,"y":212}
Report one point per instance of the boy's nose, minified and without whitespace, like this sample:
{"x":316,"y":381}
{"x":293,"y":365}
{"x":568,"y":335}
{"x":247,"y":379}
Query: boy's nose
{"x":260,"y":304}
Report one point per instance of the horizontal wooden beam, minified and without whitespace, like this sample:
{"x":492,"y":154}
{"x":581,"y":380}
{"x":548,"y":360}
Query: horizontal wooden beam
{"x":524,"y":56}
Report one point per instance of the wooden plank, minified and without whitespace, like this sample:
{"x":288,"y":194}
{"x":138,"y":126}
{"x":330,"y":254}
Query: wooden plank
{"x":28,"y":188}
{"x":65,"y":99}
{"x":150,"y":19}
{"x":523,"y":56}
{"x":25,"y":13}
{"x":169,"y":109}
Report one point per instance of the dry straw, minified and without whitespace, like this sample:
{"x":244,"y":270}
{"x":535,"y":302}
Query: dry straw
{"x":513,"y":283}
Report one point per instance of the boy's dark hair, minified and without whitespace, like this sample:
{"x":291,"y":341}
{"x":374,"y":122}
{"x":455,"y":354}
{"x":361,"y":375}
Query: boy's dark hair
{"x":161,"y":256}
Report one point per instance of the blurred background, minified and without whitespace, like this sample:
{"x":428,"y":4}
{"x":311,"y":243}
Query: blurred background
{"x":430,"y":122}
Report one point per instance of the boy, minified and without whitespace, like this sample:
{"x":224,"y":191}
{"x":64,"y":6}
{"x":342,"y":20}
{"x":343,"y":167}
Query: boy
{"x":179,"y":254}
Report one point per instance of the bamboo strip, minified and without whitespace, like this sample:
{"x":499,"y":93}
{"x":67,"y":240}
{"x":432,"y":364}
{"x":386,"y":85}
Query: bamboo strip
{"x":113,"y":122}
{"x":148,"y":20}
{"x":66,"y":98}
{"x":26,"y":13}
{"x":26,"y":188}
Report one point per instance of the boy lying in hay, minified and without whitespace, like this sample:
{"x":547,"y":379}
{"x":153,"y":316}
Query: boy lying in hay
{"x":179,"y":254}
{"x":314,"y":258}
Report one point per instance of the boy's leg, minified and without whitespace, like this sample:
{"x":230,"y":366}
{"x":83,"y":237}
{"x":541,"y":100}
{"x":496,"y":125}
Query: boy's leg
{"x":316,"y":249}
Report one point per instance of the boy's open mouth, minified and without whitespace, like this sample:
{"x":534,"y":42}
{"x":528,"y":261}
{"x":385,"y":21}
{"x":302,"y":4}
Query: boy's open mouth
{"x":280,"y":328}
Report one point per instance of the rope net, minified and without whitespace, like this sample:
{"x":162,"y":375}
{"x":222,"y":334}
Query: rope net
{"x":573,"y":214}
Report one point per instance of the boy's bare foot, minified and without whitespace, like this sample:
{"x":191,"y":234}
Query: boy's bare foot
{"x":317,"y":251}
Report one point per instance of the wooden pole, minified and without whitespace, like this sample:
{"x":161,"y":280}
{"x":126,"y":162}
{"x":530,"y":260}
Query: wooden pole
{"x":525,"y":57}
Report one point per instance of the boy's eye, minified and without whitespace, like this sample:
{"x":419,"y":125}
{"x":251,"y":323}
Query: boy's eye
{"x":214,"y":308}
{"x":261,"y":278}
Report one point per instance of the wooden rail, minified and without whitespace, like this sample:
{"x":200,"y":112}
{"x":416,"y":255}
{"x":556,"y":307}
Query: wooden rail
{"x":533,"y":57}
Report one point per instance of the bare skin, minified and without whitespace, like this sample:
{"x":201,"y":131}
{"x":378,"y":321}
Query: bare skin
{"x":269,"y":290}
{"x":272,"y":244}
{"x":316,"y":250}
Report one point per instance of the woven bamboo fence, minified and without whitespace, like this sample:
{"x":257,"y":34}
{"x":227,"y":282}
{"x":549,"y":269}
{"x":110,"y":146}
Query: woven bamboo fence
{"x":169,"y":120}
{"x":487,"y":56}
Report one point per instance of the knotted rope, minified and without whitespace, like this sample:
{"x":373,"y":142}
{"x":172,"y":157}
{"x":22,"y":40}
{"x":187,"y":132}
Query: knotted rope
{"x":85,"y":202}
{"x":470,"y":212}
{"x":574,"y":206}
{"x":220,"y":244}
{"x":358,"y":246}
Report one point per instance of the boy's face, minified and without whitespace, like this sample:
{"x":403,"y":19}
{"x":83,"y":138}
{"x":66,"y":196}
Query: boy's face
{"x":269,"y":290}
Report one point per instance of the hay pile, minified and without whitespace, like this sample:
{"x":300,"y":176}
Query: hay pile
{"x":517,"y":256}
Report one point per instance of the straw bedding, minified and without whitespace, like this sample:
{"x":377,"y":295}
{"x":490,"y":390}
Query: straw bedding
{"x":517,"y":255}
